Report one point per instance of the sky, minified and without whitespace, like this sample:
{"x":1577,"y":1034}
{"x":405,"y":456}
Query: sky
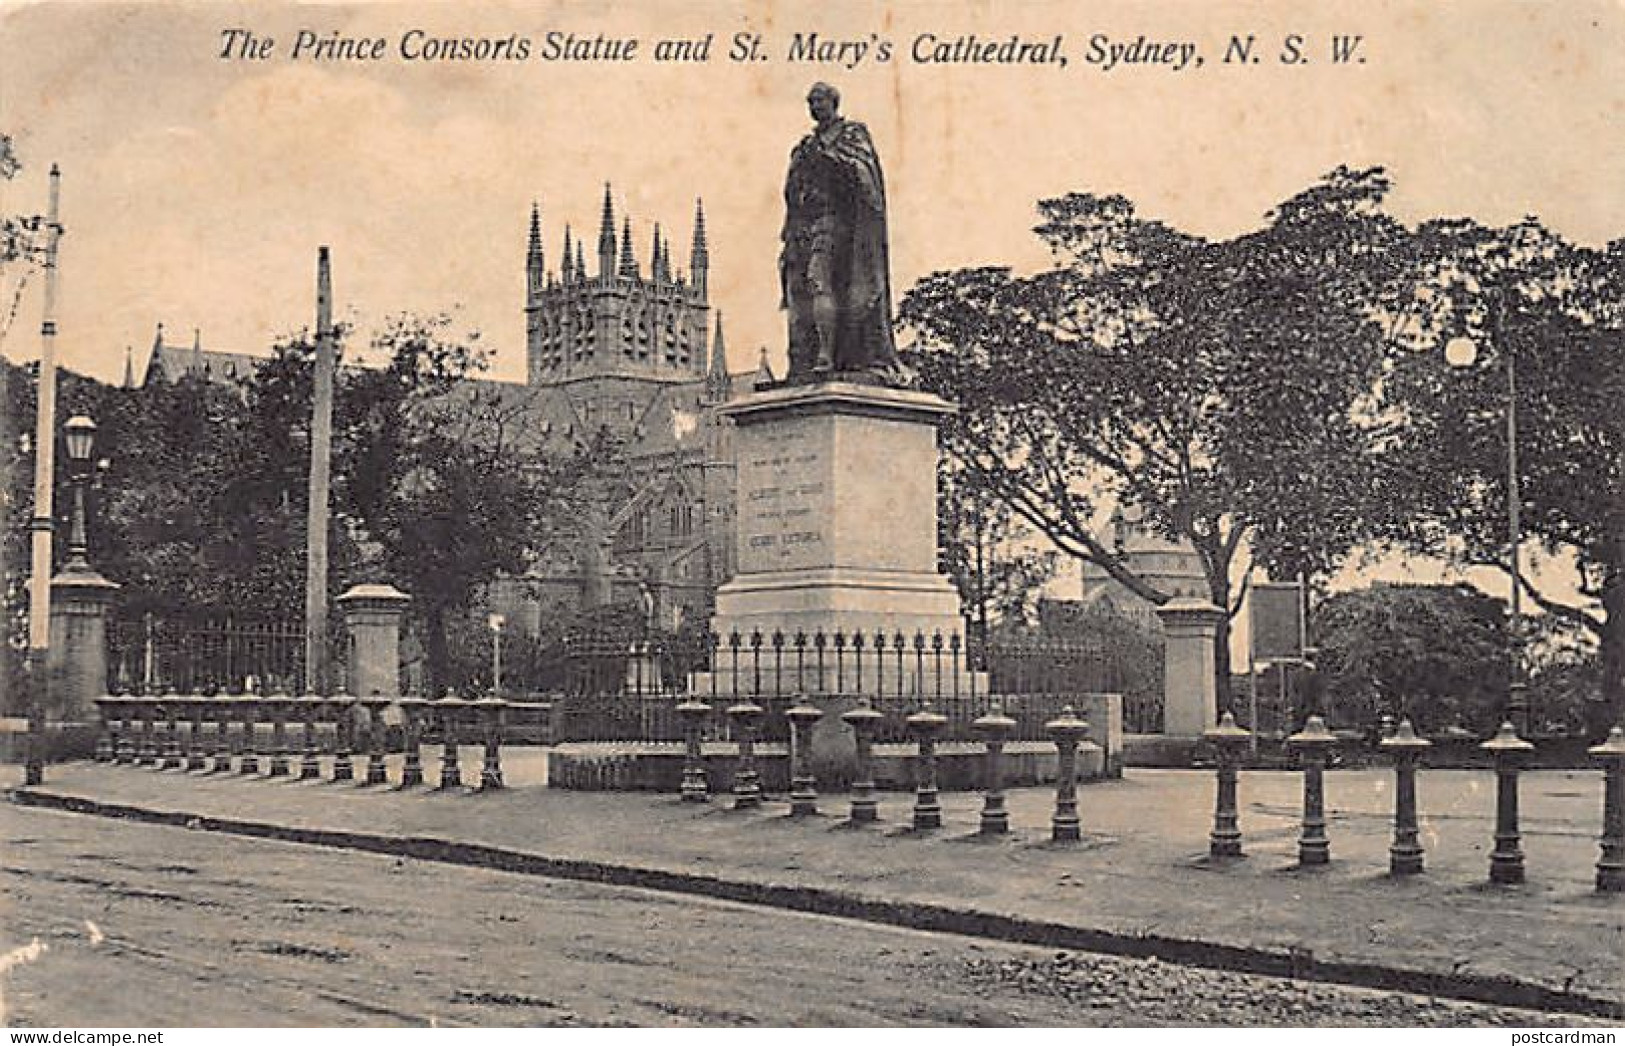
{"x":196,"y":190}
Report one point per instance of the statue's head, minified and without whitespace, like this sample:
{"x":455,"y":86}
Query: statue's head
{"x":823,"y":101}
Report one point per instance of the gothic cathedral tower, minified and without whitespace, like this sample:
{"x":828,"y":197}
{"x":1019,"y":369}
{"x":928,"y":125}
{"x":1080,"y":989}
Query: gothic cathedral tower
{"x":621,"y":320}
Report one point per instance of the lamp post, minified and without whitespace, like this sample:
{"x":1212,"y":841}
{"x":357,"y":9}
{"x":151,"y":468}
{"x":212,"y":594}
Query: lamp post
{"x":1460,"y":353}
{"x":497,"y":623}
{"x":40,"y":526}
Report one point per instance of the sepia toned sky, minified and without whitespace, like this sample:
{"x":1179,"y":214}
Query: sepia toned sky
{"x":196,"y":190}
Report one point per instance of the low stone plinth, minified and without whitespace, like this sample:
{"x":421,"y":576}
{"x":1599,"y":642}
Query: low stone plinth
{"x":636,"y":767}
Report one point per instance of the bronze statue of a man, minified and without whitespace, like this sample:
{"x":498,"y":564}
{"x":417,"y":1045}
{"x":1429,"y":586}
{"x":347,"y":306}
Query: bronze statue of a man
{"x":833,"y":268}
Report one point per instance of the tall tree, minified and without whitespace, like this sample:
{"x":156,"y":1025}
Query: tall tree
{"x":989,"y":553}
{"x":1381,"y":654}
{"x":1215,"y":386}
{"x":1556,"y":312}
{"x":444,"y":480}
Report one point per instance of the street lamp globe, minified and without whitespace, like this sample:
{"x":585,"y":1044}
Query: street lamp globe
{"x":80,"y":433}
{"x":1461,"y":352}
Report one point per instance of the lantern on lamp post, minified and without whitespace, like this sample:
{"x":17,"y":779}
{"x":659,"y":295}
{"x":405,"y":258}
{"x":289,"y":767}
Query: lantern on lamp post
{"x":497,"y":623}
{"x":80,"y":436}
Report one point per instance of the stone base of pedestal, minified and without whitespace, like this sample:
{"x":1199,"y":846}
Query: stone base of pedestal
{"x":875,"y":607}
{"x":840,"y":599}
{"x":837,"y":534}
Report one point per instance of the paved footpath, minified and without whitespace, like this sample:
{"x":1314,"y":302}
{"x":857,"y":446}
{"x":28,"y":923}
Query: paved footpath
{"x":1139,"y":882}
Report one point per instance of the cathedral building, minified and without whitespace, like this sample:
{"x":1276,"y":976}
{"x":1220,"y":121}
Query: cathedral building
{"x":614,"y":346}
{"x":635,"y":351}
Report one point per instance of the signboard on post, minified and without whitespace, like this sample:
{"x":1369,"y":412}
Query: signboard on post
{"x":1276,"y":609}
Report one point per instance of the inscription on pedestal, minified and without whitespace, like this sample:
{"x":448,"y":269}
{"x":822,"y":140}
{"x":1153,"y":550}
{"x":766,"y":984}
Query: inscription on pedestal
{"x":782,"y":494}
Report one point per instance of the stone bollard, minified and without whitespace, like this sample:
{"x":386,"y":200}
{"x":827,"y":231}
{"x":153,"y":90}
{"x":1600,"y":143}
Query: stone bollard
{"x":196,"y":707}
{"x":343,"y":709}
{"x":491,"y":714}
{"x":151,"y":752}
{"x":692,"y":713}
{"x":147,"y":744}
{"x":1405,"y":854}
{"x":449,"y":709}
{"x":252,"y":707}
{"x":205,"y":737}
{"x":995,"y":729}
{"x":925,"y":725}
{"x":1228,"y":740}
{"x":863,"y":719}
{"x":277,"y":707}
{"x":104,"y":730}
{"x":1067,"y":731}
{"x":225,"y":711}
{"x":747,"y":786}
{"x":172,"y":740}
{"x":803,"y":788}
{"x":377,"y":740}
{"x":413,"y":709}
{"x":124,"y":741}
{"x":1508,"y":750}
{"x":1314,"y":744}
{"x":310,"y":767}
{"x":1611,"y":865}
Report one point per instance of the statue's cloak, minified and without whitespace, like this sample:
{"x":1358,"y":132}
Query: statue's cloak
{"x":851,"y":170}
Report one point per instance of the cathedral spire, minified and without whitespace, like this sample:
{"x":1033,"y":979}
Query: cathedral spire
{"x":565,"y":266}
{"x":535,"y":271}
{"x":197,"y":351}
{"x":716,"y":380}
{"x":606,"y":238}
{"x":654,"y":256}
{"x":581,"y":261}
{"x":764,"y":373}
{"x":129,"y":369}
{"x":699,"y":260}
{"x":629,"y":261}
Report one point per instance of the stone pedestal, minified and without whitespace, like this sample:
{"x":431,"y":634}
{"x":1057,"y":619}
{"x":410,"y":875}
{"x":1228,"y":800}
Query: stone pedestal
{"x":77,"y":659}
{"x":1190,"y":693}
{"x":836,"y":526}
{"x":372,"y":615}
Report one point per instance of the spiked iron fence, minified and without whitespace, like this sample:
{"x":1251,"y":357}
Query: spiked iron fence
{"x":225,"y":654}
{"x":627,"y":689}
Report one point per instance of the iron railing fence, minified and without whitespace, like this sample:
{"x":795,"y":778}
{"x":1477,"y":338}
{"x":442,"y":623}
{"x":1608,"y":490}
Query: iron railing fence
{"x":195,"y":654}
{"x":627,"y":689}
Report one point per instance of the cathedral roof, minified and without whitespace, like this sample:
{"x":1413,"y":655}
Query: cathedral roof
{"x":170,"y":363}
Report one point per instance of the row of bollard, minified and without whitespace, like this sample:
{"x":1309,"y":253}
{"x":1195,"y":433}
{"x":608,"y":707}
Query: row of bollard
{"x":147,"y":731}
{"x":926,"y":726}
{"x":1405,"y":854}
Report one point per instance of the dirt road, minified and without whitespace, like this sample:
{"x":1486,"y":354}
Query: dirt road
{"x":148,"y":926}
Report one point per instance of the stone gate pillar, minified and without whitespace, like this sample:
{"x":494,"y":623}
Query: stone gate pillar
{"x":1190,"y":693}
{"x":372,"y":617}
{"x":77,"y":658}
